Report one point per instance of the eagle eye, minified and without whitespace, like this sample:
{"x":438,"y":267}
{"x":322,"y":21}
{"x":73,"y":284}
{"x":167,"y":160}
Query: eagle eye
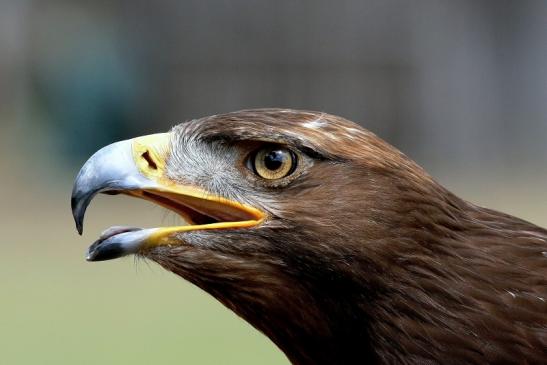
{"x":273,"y":162}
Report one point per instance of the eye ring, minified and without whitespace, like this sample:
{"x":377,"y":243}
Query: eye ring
{"x":273,"y":162}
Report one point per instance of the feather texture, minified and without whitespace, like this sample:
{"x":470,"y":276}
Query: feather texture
{"x":365,"y":258}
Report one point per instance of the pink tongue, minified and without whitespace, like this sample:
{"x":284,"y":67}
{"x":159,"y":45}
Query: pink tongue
{"x":112,"y":231}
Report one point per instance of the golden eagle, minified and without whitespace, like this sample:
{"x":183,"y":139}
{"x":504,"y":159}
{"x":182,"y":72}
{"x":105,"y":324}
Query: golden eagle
{"x":330,"y":241}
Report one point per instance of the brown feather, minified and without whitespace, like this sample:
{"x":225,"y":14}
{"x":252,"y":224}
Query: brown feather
{"x":367,"y":259}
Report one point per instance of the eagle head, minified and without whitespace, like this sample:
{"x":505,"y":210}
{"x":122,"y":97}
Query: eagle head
{"x":324,"y":237}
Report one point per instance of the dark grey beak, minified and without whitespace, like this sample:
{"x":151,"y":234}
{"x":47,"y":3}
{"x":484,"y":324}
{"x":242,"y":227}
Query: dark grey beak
{"x":110,"y":169}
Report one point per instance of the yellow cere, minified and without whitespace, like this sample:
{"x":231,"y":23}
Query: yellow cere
{"x":150,"y":154}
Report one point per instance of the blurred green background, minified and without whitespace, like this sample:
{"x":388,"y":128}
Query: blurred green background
{"x":460,"y":86}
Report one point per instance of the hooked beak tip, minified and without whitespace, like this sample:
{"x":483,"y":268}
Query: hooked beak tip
{"x":79,"y":228}
{"x":77,"y":213}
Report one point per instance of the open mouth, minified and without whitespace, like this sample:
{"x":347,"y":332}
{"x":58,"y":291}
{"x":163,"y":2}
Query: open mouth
{"x":201,"y":211}
{"x":117,"y":169}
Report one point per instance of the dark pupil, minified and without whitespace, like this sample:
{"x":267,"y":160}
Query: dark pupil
{"x":273,"y":160}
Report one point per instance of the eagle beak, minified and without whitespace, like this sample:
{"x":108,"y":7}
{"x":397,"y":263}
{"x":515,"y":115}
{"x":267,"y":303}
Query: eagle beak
{"x":138,"y":167}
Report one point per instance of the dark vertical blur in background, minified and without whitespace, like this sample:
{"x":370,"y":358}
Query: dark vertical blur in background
{"x":460,"y":86}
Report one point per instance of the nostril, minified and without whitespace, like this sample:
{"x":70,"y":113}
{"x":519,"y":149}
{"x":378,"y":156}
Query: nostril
{"x":151,"y":163}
